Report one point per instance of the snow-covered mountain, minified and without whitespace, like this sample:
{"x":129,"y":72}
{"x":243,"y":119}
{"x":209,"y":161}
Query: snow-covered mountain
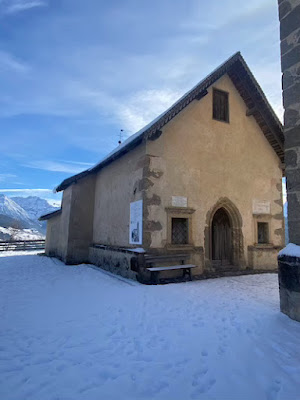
{"x":21,"y":214}
{"x":12,"y":214}
{"x":34,"y":206}
{"x":7,"y":234}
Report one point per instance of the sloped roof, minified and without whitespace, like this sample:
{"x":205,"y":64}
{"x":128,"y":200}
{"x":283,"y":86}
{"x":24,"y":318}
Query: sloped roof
{"x":50,"y":215}
{"x":247,"y":86}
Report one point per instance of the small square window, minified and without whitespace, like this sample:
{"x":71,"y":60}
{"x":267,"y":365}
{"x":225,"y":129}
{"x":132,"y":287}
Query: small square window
{"x":180,"y":231}
{"x":262,"y":232}
{"x":220,"y":106}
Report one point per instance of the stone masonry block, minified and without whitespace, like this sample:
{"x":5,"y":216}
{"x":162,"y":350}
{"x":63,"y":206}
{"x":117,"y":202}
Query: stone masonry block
{"x":291,"y":57}
{"x":293,"y":180}
{"x":291,"y":95}
{"x":294,"y":229}
{"x":284,"y":8}
{"x":291,"y":117}
{"x":290,"y":158}
{"x":290,"y":22}
{"x":292,"y":137}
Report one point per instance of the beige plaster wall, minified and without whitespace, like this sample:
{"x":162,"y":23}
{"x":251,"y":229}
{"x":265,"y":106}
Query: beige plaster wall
{"x":70,"y":234}
{"x":263,"y":258}
{"x":81,"y":220}
{"x":58,"y":229}
{"x":117,"y":185}
{"x":205,"y":160}
{"x":52,"y":242}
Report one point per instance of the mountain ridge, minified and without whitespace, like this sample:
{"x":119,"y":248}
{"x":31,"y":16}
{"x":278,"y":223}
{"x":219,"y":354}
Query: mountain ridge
{"x":22,"y":213}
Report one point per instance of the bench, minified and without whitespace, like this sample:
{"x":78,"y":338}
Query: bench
{"x":152,"y":258}
{"x":186,"y":269}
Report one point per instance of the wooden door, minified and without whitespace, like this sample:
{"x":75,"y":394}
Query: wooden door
{"x":221,"y":238}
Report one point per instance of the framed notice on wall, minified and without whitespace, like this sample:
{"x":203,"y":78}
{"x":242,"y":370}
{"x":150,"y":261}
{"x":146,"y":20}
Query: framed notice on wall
{"x":179,"y":201}
{"x":136,"y":222}
{"x":261,"y":207}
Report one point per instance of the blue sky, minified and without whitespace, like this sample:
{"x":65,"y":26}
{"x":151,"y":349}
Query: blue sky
{"x":74,"y":72}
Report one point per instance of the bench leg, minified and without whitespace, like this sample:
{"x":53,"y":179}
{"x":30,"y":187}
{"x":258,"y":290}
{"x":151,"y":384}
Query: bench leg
{"x":154,"y":277}
{"x":189,"y":272}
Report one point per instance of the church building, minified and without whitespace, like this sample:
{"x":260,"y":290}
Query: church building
{"x":198,"y":190}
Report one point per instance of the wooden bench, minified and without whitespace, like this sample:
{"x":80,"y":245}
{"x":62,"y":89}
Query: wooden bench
{"x":152,"y":258}
{"x":186,"y":269}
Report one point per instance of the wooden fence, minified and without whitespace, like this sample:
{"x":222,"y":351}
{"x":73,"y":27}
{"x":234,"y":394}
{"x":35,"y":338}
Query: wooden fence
{"x":22,"y":245}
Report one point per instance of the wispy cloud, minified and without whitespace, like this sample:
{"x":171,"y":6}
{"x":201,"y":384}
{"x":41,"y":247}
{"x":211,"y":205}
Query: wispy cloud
{"x":5,"y":177}
{"x":83,"y":164}
{"x":53,"y":166}
{"x":131,"y":111}
{"x":143,"y":107}
{"x":130,"y":87}
{"x":268,"y":74}
{"x":16,"y":6}
{"x":10,"y":62}
{"x":26,"y":190}
{"x":117,"y":67}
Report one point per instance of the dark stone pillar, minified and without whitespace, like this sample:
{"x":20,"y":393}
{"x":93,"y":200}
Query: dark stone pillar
{"x":289,"y":286}
{"x":289,"y":14}
{"x":289,"y":267}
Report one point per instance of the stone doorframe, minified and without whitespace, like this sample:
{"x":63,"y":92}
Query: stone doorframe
{"x":236,"y":222}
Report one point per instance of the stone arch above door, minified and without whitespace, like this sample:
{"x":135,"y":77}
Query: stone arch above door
{"x":236,"y":223}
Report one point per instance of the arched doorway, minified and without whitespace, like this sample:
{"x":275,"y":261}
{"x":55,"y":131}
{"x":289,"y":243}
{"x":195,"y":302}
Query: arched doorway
{"x":225,"y":219}
{"x":221,"y":238}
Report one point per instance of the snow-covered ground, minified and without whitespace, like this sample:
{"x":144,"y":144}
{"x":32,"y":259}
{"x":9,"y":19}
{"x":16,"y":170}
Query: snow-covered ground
{"x":75,"y":332}
{"x":20,"y":234}
{"x":20,"y":253}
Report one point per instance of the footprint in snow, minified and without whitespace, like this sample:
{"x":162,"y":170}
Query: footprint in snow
{"x":198,"y":375}
{"x":274,"y":390}
{"x":203,"y":387}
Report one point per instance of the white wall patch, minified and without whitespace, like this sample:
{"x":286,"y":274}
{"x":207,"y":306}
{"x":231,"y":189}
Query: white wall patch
{"x":261,"y":207}
{"x":179,"y":201}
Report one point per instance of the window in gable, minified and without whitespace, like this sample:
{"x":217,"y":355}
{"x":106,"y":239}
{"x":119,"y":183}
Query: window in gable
{"x":220,"y":105}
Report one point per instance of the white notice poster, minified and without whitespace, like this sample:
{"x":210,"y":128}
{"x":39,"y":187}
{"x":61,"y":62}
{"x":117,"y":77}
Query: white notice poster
{"x":136,"y":222}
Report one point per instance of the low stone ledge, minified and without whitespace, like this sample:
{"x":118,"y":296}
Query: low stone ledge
{"x":116,"y":260}
{"x":117,"y":248}
{"x":263,"y":257}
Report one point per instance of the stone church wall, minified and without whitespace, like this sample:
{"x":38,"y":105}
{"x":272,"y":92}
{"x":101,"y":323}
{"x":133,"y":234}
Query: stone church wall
{"x":207,"y":162}
{"x":117,"y":185}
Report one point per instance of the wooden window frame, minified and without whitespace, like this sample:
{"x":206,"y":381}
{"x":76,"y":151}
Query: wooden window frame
{"x":227,"y":120}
